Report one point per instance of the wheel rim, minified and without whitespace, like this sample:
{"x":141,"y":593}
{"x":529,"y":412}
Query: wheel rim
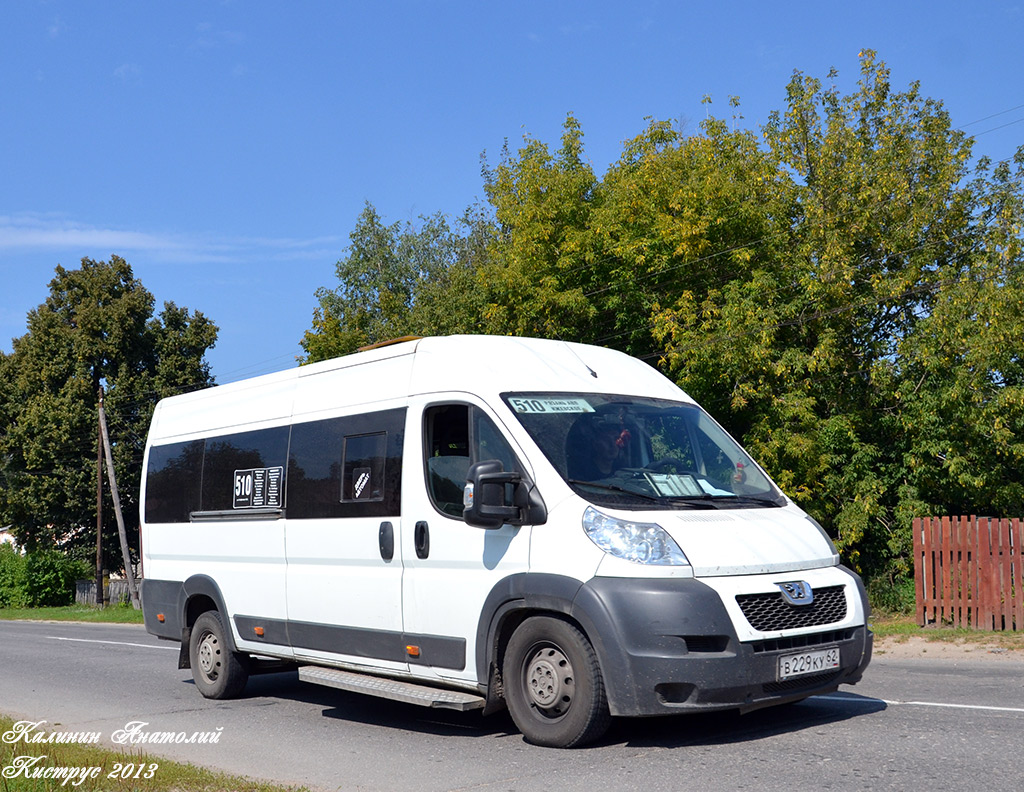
{"x":549,"y":681}
{"x":209,"y":656}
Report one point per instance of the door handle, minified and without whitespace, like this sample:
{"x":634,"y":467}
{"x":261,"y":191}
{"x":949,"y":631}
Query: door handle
{"x":386,"y":537}
{"x":421,"y":539}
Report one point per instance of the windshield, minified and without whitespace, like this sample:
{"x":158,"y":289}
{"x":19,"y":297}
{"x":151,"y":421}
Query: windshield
{"x":638,"y":453}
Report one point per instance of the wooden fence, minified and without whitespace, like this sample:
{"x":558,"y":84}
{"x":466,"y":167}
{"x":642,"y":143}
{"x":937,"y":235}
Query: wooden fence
{"x":968,"y":572}
{"x":116,"y":591}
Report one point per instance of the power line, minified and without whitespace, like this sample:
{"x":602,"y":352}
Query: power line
{"x":1001,"y":126}
{"x":994,"y":115}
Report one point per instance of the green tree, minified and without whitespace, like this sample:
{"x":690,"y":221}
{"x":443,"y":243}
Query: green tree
{"x":12,"y":577}
{"x":961,"y":395}
{"x":399,"y":280}
{"x":538,"y":272}
{"x":812,"y":347}
{"x":681,"y":220}
{"x":50,"y":577}
{"x":96,"y":328}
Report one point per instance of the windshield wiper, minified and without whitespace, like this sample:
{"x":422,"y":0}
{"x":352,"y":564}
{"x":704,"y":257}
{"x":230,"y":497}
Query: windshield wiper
{"x":704,"y":501}
{"x":749,"y":500}
{"x":614,"y":488}
{"x":698,"y":502}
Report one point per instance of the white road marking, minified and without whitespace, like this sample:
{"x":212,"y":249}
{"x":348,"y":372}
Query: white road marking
{"x":923,"y":703}
{"x":848,"y":699}
{"x":115,"y":643}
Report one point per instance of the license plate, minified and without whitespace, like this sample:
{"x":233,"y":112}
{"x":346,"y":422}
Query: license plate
{"x":814,"y":662}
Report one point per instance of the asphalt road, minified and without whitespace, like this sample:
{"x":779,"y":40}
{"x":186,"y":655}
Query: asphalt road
{"x":911,"y":724}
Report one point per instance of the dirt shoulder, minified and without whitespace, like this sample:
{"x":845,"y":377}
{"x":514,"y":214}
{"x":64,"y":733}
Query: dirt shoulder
{"x":993,"y":647}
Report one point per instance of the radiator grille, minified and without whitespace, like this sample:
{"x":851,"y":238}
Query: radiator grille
{"x":803,"y":641}
{"x":800,"y":683}
{"x":770,"y":612}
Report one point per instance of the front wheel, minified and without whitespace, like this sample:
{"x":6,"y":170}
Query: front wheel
{"x":553,"y":684}
{"x":218,"y":672}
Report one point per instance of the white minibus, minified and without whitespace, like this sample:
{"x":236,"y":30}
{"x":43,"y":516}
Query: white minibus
{"x":488,"y":522}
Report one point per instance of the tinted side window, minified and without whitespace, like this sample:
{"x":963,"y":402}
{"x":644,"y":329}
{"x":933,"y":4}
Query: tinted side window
{"x":172,"y":481}
{"x":245,"y":451}
{"x":347,"y":467}
{"x":490,"y":443}
{"x":456,"y":436}
{"x":446,"y":435}
{"x":364,"y":460}
{"x":314,"y":470}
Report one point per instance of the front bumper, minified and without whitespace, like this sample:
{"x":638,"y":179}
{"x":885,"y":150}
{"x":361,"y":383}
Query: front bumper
{"x":669,"y":646}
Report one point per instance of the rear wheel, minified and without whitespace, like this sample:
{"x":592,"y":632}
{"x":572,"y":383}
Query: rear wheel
{"x":218,"y":672}
{"x":553,"y":684}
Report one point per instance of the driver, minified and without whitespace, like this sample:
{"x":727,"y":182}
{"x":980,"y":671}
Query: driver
{"x":598,"y":447}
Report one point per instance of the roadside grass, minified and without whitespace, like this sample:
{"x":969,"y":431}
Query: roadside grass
{"x":902,"y":627}
{"x":112,"y":614}
{"x":118,"y":772}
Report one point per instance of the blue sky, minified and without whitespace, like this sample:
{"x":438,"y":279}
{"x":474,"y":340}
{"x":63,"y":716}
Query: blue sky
{"x":225,"y":149}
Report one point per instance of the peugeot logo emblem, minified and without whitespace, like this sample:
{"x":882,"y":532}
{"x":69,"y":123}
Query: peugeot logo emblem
{"x":797,"y":592}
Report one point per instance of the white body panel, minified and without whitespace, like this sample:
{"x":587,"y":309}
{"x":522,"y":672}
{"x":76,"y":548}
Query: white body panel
{"x":336,"y":576}
{"x":351,"y":382}
{"x":464,"y":562}
{"x":234,"y":556}
{"x":251,"y":404}
{"x":338,"y":579}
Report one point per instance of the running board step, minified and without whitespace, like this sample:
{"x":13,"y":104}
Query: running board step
{"x":391,"y":689}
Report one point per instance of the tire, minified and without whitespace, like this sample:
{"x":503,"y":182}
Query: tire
{"x":553,"y":684}
{"x":218,"y":672}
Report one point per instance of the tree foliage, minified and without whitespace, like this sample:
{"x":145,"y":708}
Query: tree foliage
{"x":399,"y":280}
{"x":883,"y":215}
{"x":97,"y":327}
{"x":537,"y":271}
{"x":12,"y":577}
{"x":961,"y":399}
{"x":842,"y":289}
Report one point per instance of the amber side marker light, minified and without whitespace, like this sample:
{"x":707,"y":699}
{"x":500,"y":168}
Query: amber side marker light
{"x":258,"y":631}
{"x":160,"y":618}
{"x":412,"y":651}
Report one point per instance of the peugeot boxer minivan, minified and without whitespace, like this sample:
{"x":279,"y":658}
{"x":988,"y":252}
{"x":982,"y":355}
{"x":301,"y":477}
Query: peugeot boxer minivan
{"x":488,"y":522}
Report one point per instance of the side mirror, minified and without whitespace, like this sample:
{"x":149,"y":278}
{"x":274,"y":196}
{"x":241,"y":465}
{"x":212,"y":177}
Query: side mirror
{"x":493,"y":497}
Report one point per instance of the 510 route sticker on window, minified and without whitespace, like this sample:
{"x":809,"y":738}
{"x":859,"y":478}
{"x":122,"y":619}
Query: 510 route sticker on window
{"x":258,"y":488}
{"x":549,"y":405}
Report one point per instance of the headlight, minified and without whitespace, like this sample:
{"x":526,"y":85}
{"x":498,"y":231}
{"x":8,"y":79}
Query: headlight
{"x":642,"y":543}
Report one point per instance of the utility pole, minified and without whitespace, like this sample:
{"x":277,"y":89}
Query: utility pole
{"x":99,"y":515}
{"x":129,"y":573}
